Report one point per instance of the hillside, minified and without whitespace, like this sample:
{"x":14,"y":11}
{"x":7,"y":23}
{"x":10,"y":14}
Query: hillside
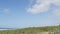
{"x":33,"y":30}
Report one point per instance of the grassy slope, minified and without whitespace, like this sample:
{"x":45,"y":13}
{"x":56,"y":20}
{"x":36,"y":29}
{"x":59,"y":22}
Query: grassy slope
{"x":31,"y":29}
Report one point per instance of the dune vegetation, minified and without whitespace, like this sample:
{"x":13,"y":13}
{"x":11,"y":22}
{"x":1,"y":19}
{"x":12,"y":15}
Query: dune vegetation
{"x":33,"y":30}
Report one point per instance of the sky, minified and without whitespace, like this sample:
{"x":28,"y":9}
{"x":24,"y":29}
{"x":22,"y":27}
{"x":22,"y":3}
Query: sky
{"x":29,"y":13}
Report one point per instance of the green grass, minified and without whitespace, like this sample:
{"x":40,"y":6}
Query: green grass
{"x":32,"y":29}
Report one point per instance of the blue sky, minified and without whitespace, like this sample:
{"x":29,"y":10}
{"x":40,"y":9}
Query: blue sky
{"x":29,"y":13}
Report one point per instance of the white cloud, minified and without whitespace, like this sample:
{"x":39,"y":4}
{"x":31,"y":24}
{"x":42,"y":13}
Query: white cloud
{"x":56,"y":12}
{"x":4,"y":10}
{"x":56,"y":2}
{"x":39,"y":7}
{"x":43,"y":6}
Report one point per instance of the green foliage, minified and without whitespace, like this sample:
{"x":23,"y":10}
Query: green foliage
{"x":34,"y":30}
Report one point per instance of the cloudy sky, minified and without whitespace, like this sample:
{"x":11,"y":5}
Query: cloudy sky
{"x":29,"y":13}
